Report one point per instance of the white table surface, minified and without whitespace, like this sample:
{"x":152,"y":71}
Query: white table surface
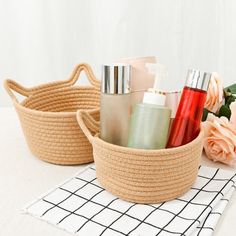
{"x":23,"y":178}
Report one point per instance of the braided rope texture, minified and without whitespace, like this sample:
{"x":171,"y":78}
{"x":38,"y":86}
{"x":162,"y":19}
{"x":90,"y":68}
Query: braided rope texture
{"x":48,"y":117}
{"x":144,"y":176}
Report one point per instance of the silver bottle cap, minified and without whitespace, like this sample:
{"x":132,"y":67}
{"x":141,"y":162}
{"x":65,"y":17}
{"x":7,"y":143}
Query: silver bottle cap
{"x":198,"y":79}
{"x":116,"y":78}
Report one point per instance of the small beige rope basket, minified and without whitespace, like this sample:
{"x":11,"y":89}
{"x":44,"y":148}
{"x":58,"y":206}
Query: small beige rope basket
{"x":48,"y":117}
{"x":142,"y":176}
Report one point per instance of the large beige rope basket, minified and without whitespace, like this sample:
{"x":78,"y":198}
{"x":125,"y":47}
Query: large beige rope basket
{"x":48,"y":117}
{"x":142,"y":176}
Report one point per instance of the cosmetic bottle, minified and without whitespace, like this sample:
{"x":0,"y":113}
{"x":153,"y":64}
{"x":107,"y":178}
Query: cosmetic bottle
{"x":115,"y":103}
{"x":186,"y":125}
{"x":149,"y":122}
{"x":162,"y":83}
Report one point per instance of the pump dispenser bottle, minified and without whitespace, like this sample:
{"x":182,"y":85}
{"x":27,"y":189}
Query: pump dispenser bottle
{"x":163,"y":83}
{"x":150,"y":122}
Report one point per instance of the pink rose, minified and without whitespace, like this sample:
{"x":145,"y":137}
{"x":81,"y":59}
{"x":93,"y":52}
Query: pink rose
{"x":215,"y":93}
{"x":220,"y":139}
{"x":233,"y":113}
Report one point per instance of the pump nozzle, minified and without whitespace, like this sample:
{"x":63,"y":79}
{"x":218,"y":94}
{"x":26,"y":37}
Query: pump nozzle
{"x":161,"y":74}
{"x":155,"y":95}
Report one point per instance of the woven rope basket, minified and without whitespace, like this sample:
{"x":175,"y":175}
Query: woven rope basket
{"x":48,"y":117}
{"x":142,"y":176}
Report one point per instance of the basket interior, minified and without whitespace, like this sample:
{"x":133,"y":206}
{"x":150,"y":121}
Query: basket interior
{"x":64,"y":100}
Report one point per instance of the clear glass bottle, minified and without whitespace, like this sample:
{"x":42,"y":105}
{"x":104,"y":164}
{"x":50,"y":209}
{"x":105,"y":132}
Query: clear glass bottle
{"x":115,"y":106}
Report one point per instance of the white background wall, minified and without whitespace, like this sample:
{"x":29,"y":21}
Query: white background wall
{"x":42,"y":40}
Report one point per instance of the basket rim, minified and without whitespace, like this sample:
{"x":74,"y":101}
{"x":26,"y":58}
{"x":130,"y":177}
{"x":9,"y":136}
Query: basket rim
{"x":49,"y":113}
{"x":148,"y":152}
{"x":21,"y":106}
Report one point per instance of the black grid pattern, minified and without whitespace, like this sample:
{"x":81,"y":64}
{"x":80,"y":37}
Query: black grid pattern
{"x":82,"y":206}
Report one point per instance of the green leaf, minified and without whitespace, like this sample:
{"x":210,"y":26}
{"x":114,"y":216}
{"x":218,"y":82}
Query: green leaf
{"x":225,"y":111}
{"x":229,"y":100}
{"x":227,"y":93}
{"x":205,"y":114}
{"x":231,"y":89}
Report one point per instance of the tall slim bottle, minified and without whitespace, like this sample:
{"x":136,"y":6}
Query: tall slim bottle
{"x":115,"y":103}
{"x":186,"y":125}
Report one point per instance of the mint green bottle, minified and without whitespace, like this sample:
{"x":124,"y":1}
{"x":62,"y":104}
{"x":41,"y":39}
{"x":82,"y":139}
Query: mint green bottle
{"x":149,"y":123}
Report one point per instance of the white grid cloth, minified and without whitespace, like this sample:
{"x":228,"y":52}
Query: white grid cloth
{"x":81,"y":206}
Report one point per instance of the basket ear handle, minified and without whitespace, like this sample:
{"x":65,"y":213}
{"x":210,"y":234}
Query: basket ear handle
{"x":89,"y":73}
{"x":87,"y":123}
{"x":11,"y":85}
